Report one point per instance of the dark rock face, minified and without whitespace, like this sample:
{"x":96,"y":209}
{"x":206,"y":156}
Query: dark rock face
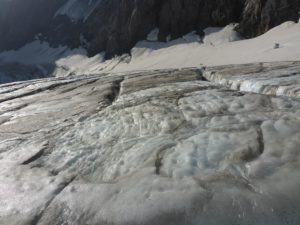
{"x":261,"y":15}
{"x":181,"y":16}
{"x":121,"y":23}
{"x":116,"y":25}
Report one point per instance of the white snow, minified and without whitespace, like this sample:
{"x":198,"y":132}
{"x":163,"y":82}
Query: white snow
{"x":191,"y":37}
{"x":218,"y":36}
{"x":153,"y":35}
{"x":221,"y":47}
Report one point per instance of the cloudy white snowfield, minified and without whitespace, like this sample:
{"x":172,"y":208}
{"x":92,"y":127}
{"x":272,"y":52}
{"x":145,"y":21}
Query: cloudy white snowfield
{"x":142,"y":140}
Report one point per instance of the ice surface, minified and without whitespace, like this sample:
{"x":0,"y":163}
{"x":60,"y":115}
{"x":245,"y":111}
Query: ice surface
{"x":154,"y":146}
{"x":157,"y":147}
{"x":281,"y":79}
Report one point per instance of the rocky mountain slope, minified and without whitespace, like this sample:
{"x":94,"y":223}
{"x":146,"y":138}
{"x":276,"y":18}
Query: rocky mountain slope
{"x":114,"y":26}
{"x":158,"y":147}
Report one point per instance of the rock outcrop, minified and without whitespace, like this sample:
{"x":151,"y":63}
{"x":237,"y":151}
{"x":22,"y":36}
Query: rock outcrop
{"x":120,"y":24}
{"x":261,"y":15}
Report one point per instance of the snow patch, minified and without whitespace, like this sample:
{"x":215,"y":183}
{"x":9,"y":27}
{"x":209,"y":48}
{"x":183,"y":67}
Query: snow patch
{"x":78,"y":9}
{"x":153,"y":35}
{"x":192,"y":37}
{"x":217,"y":36}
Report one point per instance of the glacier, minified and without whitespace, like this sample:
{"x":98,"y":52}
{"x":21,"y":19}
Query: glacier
{"x":149,"y":147}
{"x":187,"y":132}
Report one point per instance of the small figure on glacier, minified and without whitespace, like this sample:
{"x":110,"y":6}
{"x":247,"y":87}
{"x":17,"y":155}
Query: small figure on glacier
{"x":276,"y":46}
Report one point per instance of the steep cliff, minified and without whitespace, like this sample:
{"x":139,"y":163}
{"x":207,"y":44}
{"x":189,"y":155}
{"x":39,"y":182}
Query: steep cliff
{"x":261,"y":15}
{"x":121,"y":23}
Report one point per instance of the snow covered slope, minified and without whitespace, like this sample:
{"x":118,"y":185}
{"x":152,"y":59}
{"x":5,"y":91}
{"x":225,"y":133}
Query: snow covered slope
{"x":157,"y":147}
{"x":220,"y":47}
